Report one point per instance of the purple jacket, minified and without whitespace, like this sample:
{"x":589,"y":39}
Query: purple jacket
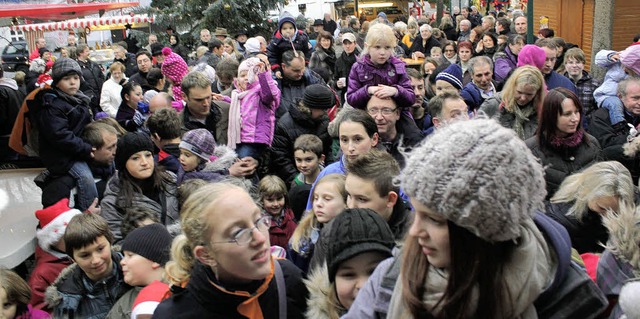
{"x":364,"y":74}
{"x":258,"y":110}
{"x":504,"y":63}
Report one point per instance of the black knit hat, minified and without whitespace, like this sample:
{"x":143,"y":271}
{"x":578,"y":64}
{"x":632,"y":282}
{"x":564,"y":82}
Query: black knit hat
{"x":356,"y":231}
{"x":318,"y":96}
{"x":156,"y":49}
{"x":131,"y":143}
{"x":151,"y":241}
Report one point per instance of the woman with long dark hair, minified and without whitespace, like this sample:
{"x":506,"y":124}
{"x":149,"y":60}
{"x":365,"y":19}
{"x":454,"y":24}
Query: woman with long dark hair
{"x":138,"y":183}
{"x":561,"y":143}
{"x":324,"y":56}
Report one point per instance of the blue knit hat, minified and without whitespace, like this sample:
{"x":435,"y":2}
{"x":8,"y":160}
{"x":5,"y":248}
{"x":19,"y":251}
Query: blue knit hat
{"x":286,"y":17}
{"x":453,"y":75}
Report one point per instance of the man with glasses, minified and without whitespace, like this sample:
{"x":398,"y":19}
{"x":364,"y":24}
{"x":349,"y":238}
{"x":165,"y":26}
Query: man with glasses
{"x":143,"y":60}
{"x":392,"y":134}
{"x":551,"y":77}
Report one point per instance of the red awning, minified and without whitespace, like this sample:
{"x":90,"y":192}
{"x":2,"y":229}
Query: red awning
{"x":82,"y":23}
{"x":60,"y":11}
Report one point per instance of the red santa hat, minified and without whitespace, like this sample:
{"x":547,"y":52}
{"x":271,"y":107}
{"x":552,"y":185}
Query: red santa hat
{"x":53,"y":223}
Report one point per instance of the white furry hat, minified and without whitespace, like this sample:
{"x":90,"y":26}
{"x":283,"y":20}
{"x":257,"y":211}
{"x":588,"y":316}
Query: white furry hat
{"x":630,"y":300}
{"x":53,"y":223}
{"x":479,"y":175}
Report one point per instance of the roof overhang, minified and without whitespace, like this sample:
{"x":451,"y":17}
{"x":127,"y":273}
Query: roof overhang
{"x":61,"y":11}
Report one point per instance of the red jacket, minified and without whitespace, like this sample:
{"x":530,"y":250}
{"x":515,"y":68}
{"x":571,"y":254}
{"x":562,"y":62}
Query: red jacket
{"x":279,"y":235}
{"x":47,"y":269}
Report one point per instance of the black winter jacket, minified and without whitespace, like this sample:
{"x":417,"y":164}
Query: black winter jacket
{"x":417,"y":45}
{"x":586,"y":235}
{"x":92,"y":82}
{"x":289,"y":127}
{"x":343,"y":68}
{"x":280,"y":45}
{"x":201,"y":299}
{"x":564,"y":161}
{"x":291,"y":91}
{"x":130,"y":64}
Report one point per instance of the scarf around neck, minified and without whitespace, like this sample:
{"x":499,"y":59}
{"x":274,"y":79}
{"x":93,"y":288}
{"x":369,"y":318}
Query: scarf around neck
{"x":522,"y":115}
{"x":570,"y":141}
{"x":235,"y":120}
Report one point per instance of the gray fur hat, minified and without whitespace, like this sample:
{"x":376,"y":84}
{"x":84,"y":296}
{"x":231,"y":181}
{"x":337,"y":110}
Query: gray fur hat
{"x":479,"y":175}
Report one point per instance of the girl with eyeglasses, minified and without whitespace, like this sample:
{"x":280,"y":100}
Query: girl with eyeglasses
{"x":221,"y":265}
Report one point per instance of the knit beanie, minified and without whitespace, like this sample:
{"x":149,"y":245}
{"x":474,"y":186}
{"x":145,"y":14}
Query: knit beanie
{"x":63,"y":67}
{"x":175,"y":69}
{"x":356,"y":231}
{"x":199,"y":142}
{"x":252,"y":45}
{"x":532,"y":55}
{"x":286,"y":17}
{"x":453,"y":75}
{"x":318,"y":96}
{"x":478,"y":175}
{"x":251,"y":65}
{"x":129,"y":144}
{"x":630,"y":58}
{"x":151,"y":241}
{"x":53,"y":222}
{"x":383,"y":15}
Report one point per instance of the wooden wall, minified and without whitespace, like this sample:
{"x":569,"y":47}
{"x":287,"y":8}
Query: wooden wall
{"x":626,"y":23}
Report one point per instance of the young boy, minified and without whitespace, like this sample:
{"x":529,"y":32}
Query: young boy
{"x":51,"y":258}
{"x":146,"y":251}
{"x":286,"y":38}
{"x":164,"y":126}
{"x":60,"y":120}
{"x":307,"y":152}
{"x":90,"y":287}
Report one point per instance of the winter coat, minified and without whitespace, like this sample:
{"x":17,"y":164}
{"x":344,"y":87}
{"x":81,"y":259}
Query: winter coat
{"x":417,"y":45}
{"x":365,"y":73}
{"x":494,"y":108}
{"x":125,"y":118}
{"x":472,"y":95}
{"x":213,"y":171}
{"x":560,"y":162}
{"x":204,"y":297}
{"x":615,"y":74}
{"x":407,"y":137}
{"x":93,"y":78}
{"x":323,"y":59}
{"x":279,"y":235}
{"x":74,"y":295}
{"x":612,"y":139}
{"x":257,"y":110}
{"x":570,"y":293}
{"x":113,"y":209}
{"x":141,"y":78}
{"x":212,"y":122}
{"x":110,"y":99}
{"x":343,"y":68}
{"x":504,"y":63}
{"x":122,"y":308}
{"x":586,"y":86}
{"x":451,"y":33}
{"x":280,"y":45}
{"x":319,"y":305}
{"x":47,"y":269}
{"x":292,"y":91}
{"x":130,"y":64}
{"x":11,"y":99}
{"x":180,"y":50}
{"x":289,"y":127}
{"x":168,"y":157}
{"x":554,"y":80}
{"x":60,"y":125}
{"x":586,"y":235}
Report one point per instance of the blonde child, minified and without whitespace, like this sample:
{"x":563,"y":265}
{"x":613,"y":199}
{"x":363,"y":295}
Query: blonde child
{"x":274,"y":201}
{"x":359,"y":240}
{"x":14,"y":298}
{"x":252,"y":112}
{"x":378,"y":72}
{"x":329,"y":199}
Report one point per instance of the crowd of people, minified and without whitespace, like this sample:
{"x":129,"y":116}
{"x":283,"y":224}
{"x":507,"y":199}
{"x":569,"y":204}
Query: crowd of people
{"x":316,"y":175}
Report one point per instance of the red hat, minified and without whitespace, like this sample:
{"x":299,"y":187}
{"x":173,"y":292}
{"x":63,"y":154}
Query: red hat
{"x":53,"y":223}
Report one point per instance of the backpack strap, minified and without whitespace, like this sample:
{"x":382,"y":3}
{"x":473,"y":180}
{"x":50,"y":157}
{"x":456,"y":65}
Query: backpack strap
{"x":282,"y":291}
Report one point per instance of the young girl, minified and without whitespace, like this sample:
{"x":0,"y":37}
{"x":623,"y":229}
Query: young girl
{"x":481,"y":250}
{"x":273,"y":197}
{"x":329,"y":199}
{"x":359,"y":240}
{"x":14,"y":298}
{"x":196,"y":150}
{"x":252,"y":112}
{"x":128,"y":115}
{"x":223,"y":258}
{"x":378,"y":72}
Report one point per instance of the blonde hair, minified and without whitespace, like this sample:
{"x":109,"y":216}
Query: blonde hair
{"x":117,"y":66}
{"x":309,"y":221}
{"x":598,"y":180}
{"x":271,"y":185}
{"x":527,"y":75}
{"x":195,"y":229}
{"x":379,"y":33}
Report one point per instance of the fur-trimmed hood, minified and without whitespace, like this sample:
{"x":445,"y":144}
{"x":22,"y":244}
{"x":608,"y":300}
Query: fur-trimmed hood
{"x":319,"y":305}
{"x":624,"y":236}
{"x":225,"y":157}
{"x":52,"y":296}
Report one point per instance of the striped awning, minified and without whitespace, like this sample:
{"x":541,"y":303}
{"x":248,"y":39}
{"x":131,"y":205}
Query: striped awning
{"x":83,"y":23}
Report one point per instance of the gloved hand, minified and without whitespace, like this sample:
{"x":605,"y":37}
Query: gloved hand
{"x":138,"y":118}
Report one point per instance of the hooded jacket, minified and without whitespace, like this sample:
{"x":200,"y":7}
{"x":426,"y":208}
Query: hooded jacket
{"x":568,"y":291}
{"x":319,"y":305}
{"x":47,"y":269}
{"x":291,"y":91}
{"x":204,"y":297}
{"x":279,"y":44}
{"x":213,"y":171}
{"x":364,"y":73}
{"x":74,"y":295}
{"x":113,"y":210}
{"x":257,"y":110}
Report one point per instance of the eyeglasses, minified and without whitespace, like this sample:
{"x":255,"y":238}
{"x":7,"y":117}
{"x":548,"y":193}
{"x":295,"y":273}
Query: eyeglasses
{"x":384,"y":111}
{"x":245,"y":236}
